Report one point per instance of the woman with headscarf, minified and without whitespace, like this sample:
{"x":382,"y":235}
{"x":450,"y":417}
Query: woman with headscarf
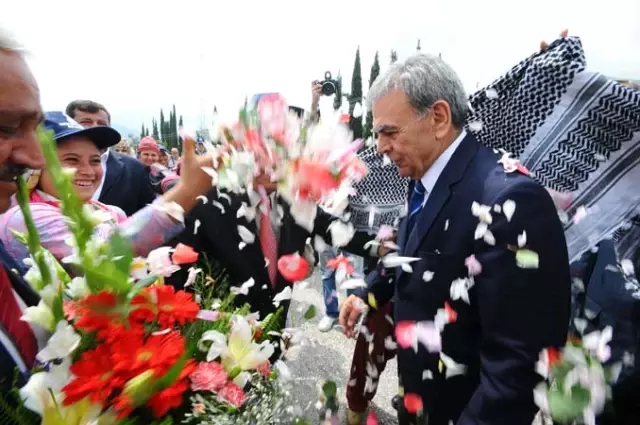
{"x":79,"y":148}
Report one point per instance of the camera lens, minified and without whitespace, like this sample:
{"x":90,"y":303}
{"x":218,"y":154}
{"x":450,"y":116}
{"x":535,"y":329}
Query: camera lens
{"x":328,"y":88}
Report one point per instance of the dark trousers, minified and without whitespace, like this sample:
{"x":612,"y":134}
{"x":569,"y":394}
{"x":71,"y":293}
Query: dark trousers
{"x":374,"y":352}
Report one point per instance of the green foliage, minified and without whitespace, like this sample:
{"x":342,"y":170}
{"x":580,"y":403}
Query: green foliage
{"x":355,"y":123}
{"x":337,"y":99}
{"x":12,"y":410}
{"x":375,"y":71}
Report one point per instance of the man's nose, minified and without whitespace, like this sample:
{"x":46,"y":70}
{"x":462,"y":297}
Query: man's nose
{"x":381,"y":146}
{"x":28,"y":153}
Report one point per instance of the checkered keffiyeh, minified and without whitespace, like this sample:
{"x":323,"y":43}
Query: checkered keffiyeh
{"x":380,"y":197}
{"x":576,"y":131}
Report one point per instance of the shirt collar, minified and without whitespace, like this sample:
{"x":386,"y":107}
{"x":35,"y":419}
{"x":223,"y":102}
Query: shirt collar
{"x":105,"y":155}
{"x":431,"y":176}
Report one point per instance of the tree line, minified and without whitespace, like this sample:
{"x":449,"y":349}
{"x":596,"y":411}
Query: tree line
{"x":164,"y":131}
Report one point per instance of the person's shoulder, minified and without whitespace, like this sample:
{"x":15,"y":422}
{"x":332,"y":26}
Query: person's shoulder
{"x":127,"y":160}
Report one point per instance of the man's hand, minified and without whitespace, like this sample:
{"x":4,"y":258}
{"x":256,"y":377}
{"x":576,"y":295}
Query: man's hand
{"x":316,"y":93}
{"x":350,"y":311}
{"x":544,"y":44}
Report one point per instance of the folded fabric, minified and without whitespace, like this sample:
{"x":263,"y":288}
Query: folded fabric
{"x":576,"y":131}
{"x":380,"y":197}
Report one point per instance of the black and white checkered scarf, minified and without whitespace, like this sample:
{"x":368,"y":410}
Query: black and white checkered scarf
{"x":576,"y":131}
{"x":380,"y":197}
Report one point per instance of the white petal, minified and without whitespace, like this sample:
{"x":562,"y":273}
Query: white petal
{"x":246,"y":236}
{"x":508,"y":208}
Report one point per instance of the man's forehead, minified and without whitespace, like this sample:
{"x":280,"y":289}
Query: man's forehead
{"x":19,"y":93}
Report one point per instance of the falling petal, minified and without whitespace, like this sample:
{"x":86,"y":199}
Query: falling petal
{"x":406,"y":267}
{"x":453,"y":368}
{"x":475,"y":126}
{"x":489,"y":238}
{"x":202,"y":198}
{"x":427,"y":276}
{"x":427,"y":374}
{"x":353,"y":284}
{"x":580,"y":214}
{"x":246,"y":235}
{"x":219,"y":206}
{"x":241,"y":245}
{"x":491,"y":94}
{"x":393,"y":260}
{"x":341,"y":233}
{"x":481,"y":229}
{"x":284,"y":295}
{"x":522,"y":239}
{"x":508,"y":208}
{"x":357,"y":110}
{"x":527,"y":259}
{"x":386,"y":160}
{"x":473,"y":265}
{"x":196,"y":226}
{"x":446,"y":225}
{"x":627,"y":267}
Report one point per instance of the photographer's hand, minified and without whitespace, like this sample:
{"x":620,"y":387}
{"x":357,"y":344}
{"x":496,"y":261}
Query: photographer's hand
{"x":316,"y":93}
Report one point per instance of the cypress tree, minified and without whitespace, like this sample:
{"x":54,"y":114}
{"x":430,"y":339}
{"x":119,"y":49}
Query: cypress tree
{"x":355,"y":123}
{"x":375,"y":71}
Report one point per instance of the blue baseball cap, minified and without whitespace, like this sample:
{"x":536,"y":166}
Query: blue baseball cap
{"x":64,"y":127}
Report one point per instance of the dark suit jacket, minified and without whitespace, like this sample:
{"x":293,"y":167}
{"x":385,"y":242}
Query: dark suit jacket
{"x":126,"y":184}
{"x":609,"y":299}
{"x":14,"y":271}
{"x":218,"y":237}
{"x":514,"y":312}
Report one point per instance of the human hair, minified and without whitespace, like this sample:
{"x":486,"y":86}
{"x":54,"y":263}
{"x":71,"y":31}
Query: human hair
{"x":9,"y":44}
{"x":425,"y":79}
{"x":86,"y":106}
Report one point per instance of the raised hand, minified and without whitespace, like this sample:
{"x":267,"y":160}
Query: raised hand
{"x":544,"y":44}
{"x":193,"y":180}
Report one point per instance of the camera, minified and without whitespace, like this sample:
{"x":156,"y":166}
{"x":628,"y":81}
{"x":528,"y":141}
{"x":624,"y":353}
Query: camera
{"x":329,"y":85}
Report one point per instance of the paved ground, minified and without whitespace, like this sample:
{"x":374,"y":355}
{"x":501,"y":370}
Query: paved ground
{"x":330,"y":358}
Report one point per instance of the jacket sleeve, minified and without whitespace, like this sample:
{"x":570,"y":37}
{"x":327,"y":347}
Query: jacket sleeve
{"x":522,"y":310}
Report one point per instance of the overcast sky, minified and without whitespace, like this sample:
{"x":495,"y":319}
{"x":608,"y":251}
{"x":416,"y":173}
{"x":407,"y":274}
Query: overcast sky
{"x":136,"y":56}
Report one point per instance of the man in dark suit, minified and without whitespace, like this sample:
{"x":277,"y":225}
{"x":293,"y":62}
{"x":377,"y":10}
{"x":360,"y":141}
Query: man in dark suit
{"x":463,"y":232}
{"x":125,"y":183}
{"x":20,"y":114}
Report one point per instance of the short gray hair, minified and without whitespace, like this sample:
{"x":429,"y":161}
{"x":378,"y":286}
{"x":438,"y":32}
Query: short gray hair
{"x":425,"y":79}
{"x":8,"y":43}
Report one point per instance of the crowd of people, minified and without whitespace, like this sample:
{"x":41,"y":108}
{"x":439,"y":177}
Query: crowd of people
{"x":499,"y":314}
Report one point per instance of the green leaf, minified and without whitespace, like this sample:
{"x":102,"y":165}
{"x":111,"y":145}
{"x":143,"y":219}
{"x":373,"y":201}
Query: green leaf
{"x":329,"y":389}
{"x":310,"y":313}
{"x":122,"y":254}
{"x":565,"y":407}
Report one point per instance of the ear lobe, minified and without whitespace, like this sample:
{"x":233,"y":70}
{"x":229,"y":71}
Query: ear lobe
{"x":441,"y":117}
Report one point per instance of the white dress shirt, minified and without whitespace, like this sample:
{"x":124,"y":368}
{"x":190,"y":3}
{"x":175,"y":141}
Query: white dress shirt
{"x":103,"y":161}
{"x":433,"y":173}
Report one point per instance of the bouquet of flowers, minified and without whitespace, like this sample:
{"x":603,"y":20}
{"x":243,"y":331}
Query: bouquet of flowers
{"x":577,"y":379}
{"x":311,"y":162}
{"x":127,"y":349}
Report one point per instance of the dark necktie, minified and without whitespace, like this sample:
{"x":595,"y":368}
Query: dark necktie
{"x":416,"y":203}
{"x":10,"y":314}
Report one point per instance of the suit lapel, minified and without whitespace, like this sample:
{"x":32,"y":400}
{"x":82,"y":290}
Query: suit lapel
{"x":437,"y":199}
{"x":115,"y":171}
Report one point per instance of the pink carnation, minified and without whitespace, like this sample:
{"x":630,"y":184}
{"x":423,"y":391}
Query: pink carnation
{"x":232,"y":394}
{"x":208,"y":376}
{"x":264,"y":369}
